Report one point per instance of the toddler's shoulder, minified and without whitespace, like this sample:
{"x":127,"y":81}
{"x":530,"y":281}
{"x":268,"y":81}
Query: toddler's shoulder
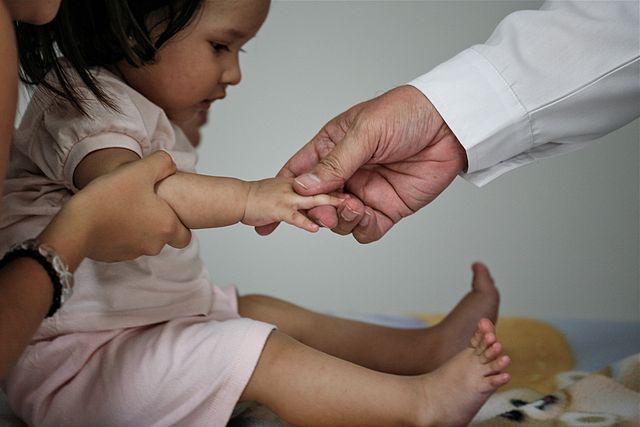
{"x":55,"y":136}
{"x":130,"y":114}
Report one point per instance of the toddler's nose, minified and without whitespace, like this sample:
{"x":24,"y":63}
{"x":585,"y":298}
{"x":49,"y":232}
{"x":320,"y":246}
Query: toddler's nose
{"x":232,"y":74}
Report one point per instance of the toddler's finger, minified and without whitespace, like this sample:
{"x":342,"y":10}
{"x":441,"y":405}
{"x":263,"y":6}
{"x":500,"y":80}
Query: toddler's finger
{"x":301,"y":221}
{"x":319,"y":200}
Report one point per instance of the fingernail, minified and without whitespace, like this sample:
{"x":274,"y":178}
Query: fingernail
{"x":307,"y":180}
{"x":347,"y":214}
{"x":365,"y":218}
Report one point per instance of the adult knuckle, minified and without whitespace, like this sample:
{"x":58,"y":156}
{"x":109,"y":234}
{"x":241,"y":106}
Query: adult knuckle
{"x":168,"y":229}
{"x":148,"y":249}
{"x":364,"y":238}
{"x":184,"y":241}
{"x":341,"y":230}
{"x":332,"y":166}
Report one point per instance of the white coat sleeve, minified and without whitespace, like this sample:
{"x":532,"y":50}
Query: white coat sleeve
{"x":546,"y":82}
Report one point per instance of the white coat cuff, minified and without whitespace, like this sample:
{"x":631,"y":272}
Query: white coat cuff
{"x":479,"y":107}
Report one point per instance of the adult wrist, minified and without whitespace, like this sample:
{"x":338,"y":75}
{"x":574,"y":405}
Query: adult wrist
{"x":51,"y":262}
{"x":444,"y":135}
{"x":480,"y":108}
{"x":461,"y":152}
{"x":68,"y":235}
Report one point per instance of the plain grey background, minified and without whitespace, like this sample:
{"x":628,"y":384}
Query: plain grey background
{"x":560,"y":236}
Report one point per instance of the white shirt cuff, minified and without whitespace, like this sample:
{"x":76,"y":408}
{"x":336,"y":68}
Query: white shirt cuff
{"x":479,"y":107}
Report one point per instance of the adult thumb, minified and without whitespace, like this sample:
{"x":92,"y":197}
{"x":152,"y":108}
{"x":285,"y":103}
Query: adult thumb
{"x":160,"y":165}
{"x":334,"y":169}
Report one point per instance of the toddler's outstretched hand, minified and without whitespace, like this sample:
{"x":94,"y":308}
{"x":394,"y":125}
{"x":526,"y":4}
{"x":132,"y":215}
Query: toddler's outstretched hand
{"x":271,"y":200}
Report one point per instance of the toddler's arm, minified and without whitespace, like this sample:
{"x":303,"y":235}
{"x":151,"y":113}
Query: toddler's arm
{"x":202,"y":201}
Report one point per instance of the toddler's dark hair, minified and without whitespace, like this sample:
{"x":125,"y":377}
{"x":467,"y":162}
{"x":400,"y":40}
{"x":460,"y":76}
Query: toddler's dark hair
{"x":91,"y":33}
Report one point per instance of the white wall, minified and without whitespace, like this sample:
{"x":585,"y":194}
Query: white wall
{"x":561,"y":237}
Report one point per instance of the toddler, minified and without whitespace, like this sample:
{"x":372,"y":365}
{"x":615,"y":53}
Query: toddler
{"x":153,"y":342}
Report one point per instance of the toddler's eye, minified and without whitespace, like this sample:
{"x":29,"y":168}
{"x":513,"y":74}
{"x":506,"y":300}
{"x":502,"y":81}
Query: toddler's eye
{"x":219,"y":47}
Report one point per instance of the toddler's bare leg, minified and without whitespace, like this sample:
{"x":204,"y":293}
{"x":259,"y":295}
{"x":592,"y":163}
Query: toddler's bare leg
{"x":307,"y":387}
{"x":392,"y":350}
{"x":375,"y":347}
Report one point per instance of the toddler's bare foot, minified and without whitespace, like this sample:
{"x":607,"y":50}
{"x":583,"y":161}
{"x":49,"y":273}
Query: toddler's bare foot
{"x":452,"y":334}
{"x":456,"y":391}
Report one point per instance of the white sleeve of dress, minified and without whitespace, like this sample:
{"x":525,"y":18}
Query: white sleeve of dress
{"x":546,"y":82}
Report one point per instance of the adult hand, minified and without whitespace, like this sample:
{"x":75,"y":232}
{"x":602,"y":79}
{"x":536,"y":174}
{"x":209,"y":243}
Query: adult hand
{"x":392,"y":155}
{"x":119,"y":216}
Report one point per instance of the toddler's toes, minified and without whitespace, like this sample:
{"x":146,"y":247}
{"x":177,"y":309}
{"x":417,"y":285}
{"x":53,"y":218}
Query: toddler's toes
{"x":486,"y":325}
{"x":499,"y":380}
{"x":498,"y":365}
{"x":492,"y":352}
{"x":487,"y":340}
{"x":476,"y":339}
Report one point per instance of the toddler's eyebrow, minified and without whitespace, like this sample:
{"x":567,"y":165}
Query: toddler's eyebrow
{"x":232,"y":32}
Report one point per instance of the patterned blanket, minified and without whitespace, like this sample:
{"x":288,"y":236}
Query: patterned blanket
{"x":610,"y":397}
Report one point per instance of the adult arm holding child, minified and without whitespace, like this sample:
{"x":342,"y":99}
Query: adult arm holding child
{"x":96,"y":224}
{"x":91,"y":224}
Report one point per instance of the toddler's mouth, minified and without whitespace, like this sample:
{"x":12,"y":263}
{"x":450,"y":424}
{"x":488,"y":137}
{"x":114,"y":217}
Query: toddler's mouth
{"x":205,"y":105}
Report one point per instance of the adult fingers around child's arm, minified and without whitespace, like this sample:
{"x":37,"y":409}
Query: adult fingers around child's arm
{"x":160,"y":166}
{"x":179,"y":236}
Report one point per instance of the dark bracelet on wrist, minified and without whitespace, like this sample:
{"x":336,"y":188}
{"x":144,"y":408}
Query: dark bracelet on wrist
{"x":61,"y":278}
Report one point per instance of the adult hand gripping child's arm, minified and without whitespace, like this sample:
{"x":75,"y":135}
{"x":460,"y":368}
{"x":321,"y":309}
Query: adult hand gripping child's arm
{"x":202,"y":201}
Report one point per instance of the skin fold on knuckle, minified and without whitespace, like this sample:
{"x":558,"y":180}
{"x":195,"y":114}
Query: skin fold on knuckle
{"x":332,"y":167}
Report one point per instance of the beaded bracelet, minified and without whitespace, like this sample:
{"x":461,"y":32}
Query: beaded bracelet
{"x":52,"y":263}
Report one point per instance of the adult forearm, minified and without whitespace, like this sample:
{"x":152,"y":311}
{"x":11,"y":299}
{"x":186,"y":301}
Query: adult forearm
{"x":8,"y":86}
{"x":202,"y":201}
{"x":26,"y":293}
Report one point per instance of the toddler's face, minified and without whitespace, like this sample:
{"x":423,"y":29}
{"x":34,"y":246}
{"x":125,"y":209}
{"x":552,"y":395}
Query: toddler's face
{"x":37,"y":12}
{"x":194,"y":68}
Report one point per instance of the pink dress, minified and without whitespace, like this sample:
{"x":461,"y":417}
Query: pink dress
{"x":148,"y":342}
